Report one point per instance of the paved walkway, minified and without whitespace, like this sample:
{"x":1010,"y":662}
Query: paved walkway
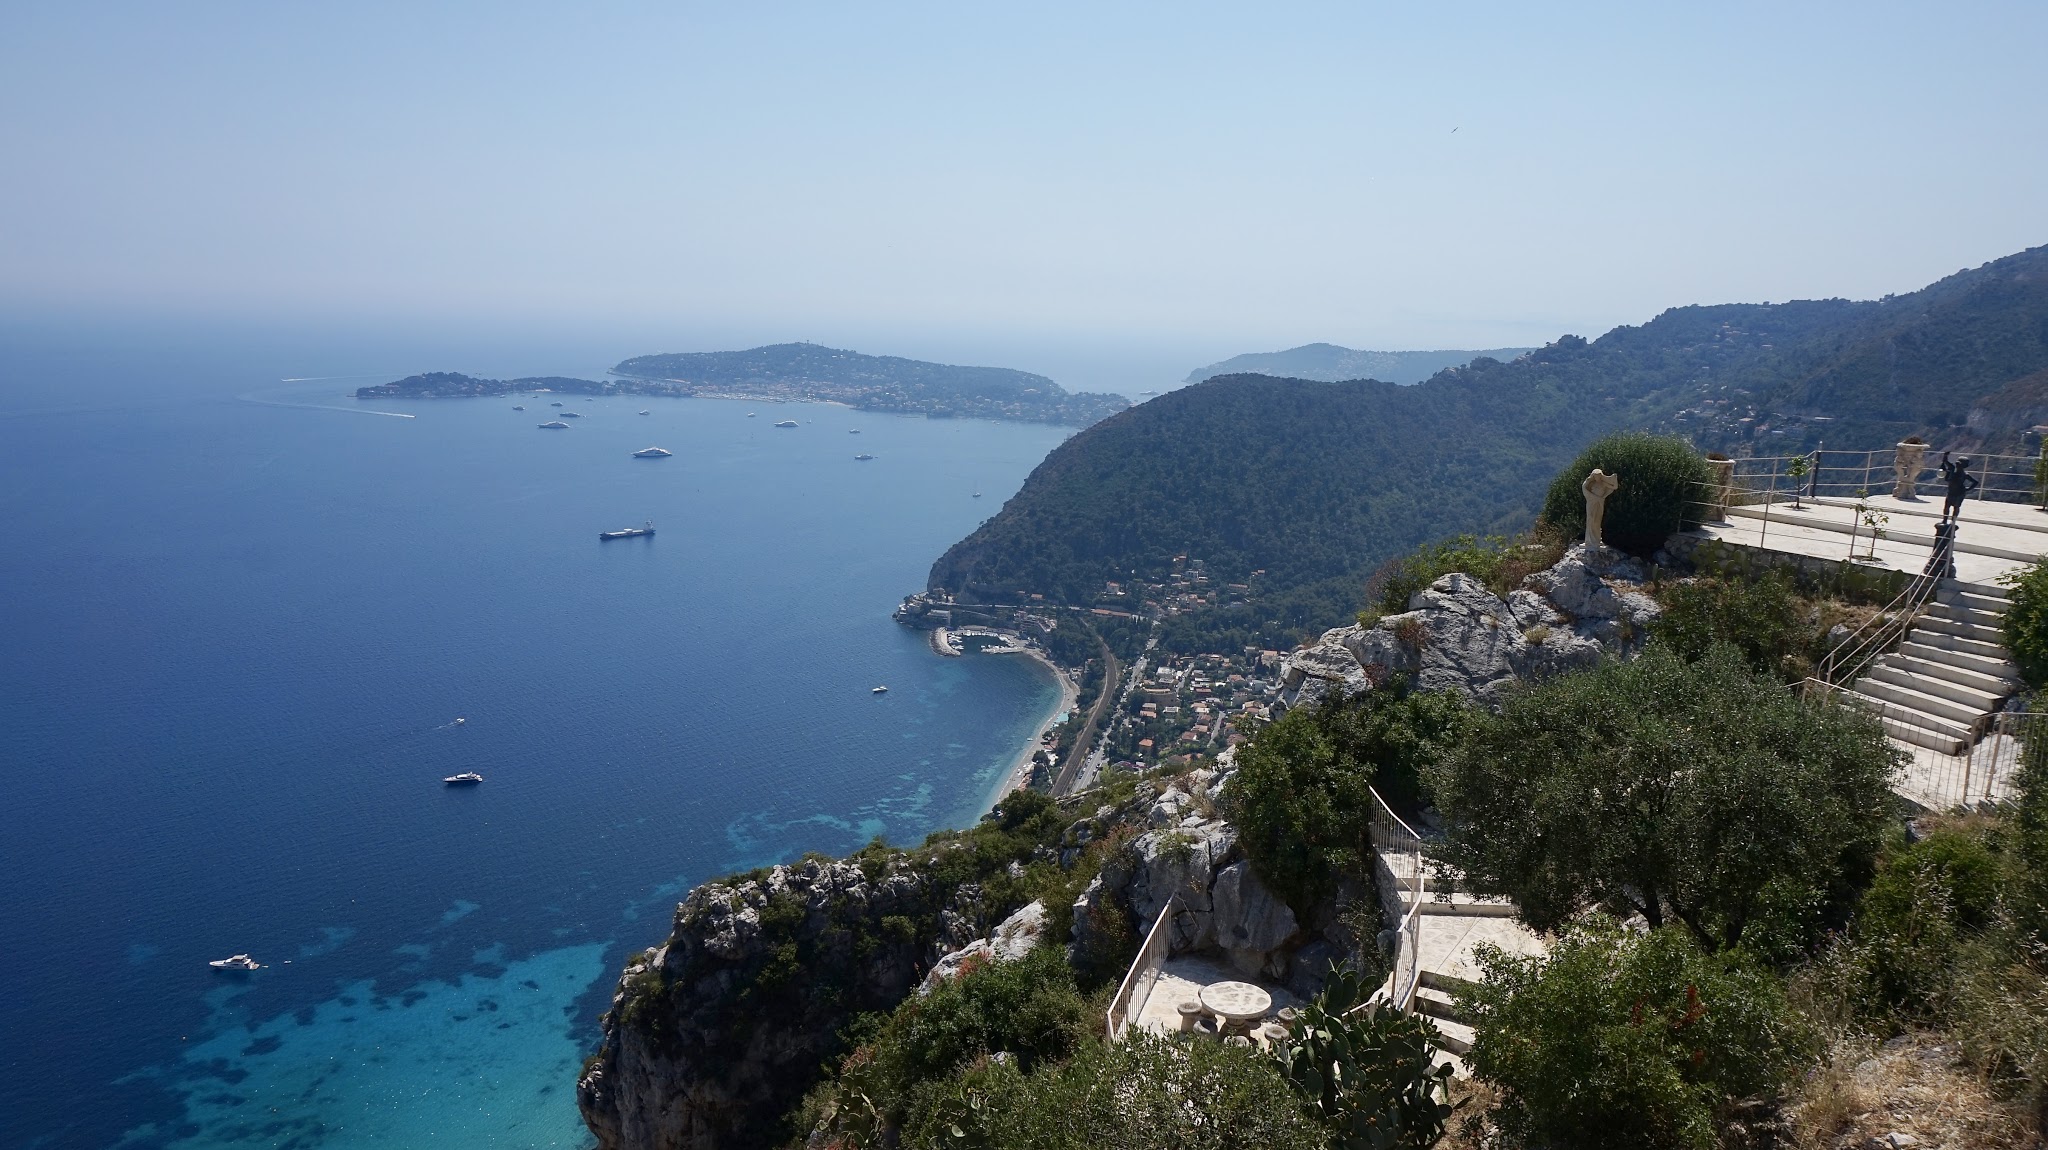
{"x":2019,"y":532}
{"x":1183,"y":978}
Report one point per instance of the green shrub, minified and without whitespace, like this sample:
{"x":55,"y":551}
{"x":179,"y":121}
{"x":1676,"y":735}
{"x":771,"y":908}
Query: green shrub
{"x":1661,"y":492}
{"x":1699,"y":792}
{"x":1762,"y":618}
{"x":1625,"y":1040}
{"x":2026,"y":622}
{"x":1301,"y":797}
{"x":1147,"y":1093}
{"x":1371,"y":1075}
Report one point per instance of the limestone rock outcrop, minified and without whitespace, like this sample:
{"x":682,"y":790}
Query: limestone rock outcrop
{"x":690,"y":1058}
{"x":1012,"y":939}
{"x":1458,"y":635}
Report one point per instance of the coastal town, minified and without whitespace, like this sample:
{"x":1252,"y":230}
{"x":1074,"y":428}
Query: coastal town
{"x":1153,"y":707}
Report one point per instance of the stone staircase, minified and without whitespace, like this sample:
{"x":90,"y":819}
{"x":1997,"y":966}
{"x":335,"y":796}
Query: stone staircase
{"x":1950,"y":674}
{"x":1455,"y":1033}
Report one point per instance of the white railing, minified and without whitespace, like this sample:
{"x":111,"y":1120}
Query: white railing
{"x":1843,"y":474}
{"x":1880,"y":634}
{"x":1403,"y":883}
{"x":1984,"y":771}
{"x":1130,"y":999}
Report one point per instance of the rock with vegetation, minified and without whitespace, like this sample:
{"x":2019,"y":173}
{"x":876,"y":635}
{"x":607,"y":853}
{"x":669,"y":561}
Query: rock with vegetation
{"x":1458,"y":634}
{"x":714,"y":1036}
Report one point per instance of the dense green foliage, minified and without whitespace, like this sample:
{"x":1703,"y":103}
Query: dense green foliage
{"x":879,"y":382}
{"x":1146,"y":1093}
{"x":1696,"y":791}
{"x":1663,"y":481}
{"x":1762,"y":618}
{"x":1370,"y":1075}
{"x":2026,"y":622}
{"x":1302,"y":795}
{"x":1319,"y":483}
{"x":1625,"y":1040}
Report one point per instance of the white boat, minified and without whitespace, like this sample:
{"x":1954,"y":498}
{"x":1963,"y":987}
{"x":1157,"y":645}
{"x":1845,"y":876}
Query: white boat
{"x":554,"y":424}
{"x":879,"y":691}
{"x":652,"y":453}
{"x":236,"y":964}
{"x":643,"y":411}
{"x":750,"y":415}
{"x":519,"y":407}
{"x":853,"y":431}
{"x":787,"y":423}
{"x":465,"y":779}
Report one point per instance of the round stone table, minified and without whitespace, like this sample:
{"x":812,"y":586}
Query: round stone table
{"x":1236,"y":1002}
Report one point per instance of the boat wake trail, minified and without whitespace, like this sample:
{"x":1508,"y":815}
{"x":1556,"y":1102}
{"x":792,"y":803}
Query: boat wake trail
{"x":326,"y":407}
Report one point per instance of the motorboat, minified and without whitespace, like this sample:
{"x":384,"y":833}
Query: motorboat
{"x":863,"y":457}
{"x":465,"y":779}
{"x":628,"y":532}
{"x":787,"y":423}
{"x":554,"y":425}
{"x":519,"y":407}
{"x":652,"y":453}
{"x":879,"y":691}
{"x":572,"y":415}
{"x":643,"y":411}
{"x":236,"y":964}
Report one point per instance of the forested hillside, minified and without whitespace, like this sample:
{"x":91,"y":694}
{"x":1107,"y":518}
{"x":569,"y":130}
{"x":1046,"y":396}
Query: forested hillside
{"x":1316,"y":484}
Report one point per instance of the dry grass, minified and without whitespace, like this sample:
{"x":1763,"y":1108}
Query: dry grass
{"x":1915,"y":1084}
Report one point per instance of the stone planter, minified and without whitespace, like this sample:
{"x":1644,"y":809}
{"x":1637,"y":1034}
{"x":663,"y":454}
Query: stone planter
{"x":1723,"y":486}
{"x":1911,"y":455}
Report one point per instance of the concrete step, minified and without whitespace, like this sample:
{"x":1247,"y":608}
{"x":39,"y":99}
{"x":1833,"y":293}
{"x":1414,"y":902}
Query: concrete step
{"x":1978,"y":631}
{"x":1985,"y":590}
{"x":1894,"y":711}
{"x":1437,"y":1005}
{"x":1448,"y":983}
{"x":1965,"y":647}
{"x":1940,"y":678}
{"x":1454,"y":1037}
{"x":1963,"y":613}
{"x":1932,"y":512}
{"x":1908,"y":696}
{"x":1996,"y":605}
{"x":1464,"y":905}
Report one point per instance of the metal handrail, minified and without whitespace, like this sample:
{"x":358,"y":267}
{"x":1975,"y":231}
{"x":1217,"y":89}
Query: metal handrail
{"x":1848,"y":660}
{"x":1150,"y":959}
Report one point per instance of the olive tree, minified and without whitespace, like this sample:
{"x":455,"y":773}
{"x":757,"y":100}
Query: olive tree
{"x":1698,"y":792}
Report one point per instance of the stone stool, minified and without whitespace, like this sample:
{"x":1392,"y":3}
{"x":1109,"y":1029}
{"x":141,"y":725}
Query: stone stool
{"x":1190,"y":1014}
{"x":1237,"y":1040}
{"x":1271,"y":1033}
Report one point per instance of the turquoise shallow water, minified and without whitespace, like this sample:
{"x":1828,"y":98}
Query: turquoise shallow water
{"x":238,"y":635}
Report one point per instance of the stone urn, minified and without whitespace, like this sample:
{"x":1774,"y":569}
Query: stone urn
{"x":1912,"y":453}
{"x":1723,"y":469}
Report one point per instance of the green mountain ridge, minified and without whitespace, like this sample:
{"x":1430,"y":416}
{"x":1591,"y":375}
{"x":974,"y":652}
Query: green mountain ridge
{"x":1334,"y":364}
{"x":1317,"y":484}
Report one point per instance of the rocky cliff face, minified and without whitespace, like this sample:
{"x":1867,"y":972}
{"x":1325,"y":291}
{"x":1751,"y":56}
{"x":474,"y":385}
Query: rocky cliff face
{"x":714,"y":1035}
{"x":1457,"y":635}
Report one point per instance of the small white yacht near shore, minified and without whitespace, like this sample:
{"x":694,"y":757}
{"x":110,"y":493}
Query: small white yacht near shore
{"x":652,"y":453}
{"x":465,"y":779}
{"x":236,"y":964}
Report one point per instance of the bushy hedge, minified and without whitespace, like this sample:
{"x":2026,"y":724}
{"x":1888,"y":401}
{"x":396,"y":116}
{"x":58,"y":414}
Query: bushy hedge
{"x":1625,"y":1040}
{"x":2026,"y":622}
{"x":1145,"y":1093}
{"x":1698,"y":792}
{"x":1762,"y":618}
{"x":1301,"y":797}
{"x":1662,"y":484}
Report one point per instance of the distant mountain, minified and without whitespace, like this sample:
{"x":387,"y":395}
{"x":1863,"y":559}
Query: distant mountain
{"x":1316,"y":484}
{"x":1330,"y":363}
{"x":874,"y":383}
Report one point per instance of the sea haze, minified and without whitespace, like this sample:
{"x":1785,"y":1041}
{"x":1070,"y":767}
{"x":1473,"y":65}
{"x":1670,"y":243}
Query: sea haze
{"x":238,"y":634}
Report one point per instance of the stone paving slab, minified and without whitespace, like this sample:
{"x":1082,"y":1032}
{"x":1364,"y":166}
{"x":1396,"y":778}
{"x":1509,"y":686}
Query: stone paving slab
{"x":1183,"y":977}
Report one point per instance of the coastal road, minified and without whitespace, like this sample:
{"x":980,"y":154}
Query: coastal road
{"x":1105,"y":698}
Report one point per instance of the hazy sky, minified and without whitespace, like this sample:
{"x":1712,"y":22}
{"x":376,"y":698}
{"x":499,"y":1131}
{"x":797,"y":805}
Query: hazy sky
{"x":960,"y":178}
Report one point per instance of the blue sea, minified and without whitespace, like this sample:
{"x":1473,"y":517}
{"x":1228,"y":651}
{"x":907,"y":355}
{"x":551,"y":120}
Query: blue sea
{"x":240,"y":618}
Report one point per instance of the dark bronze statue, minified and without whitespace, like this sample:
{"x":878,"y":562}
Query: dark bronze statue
{"x":1957,"y":478}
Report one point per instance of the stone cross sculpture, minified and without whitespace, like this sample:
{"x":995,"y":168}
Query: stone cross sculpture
{"x":1598,"y":486}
